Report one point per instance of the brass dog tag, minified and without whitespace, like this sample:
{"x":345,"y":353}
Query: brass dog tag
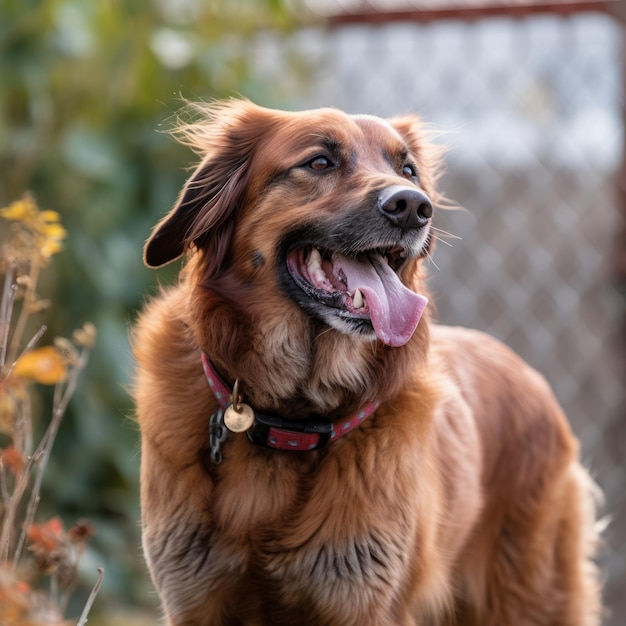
{"x":238,"y":421}
{"x":238,"y":416}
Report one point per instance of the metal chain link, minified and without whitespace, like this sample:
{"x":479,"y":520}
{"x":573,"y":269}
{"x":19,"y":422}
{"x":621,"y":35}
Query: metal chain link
{"x":217,"y":436}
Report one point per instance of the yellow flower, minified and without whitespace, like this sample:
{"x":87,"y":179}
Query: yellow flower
{"x":24,"y":210}
{"x":49,"y":247}
{"x":52,"y":230}
{"x":50,"y":216}
{"x":44,"y":365}
{"x":52,"y":233}
{"x":43,"y":226}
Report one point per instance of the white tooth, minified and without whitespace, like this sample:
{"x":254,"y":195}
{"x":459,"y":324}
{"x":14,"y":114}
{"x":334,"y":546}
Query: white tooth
{"x":317,"y":274}
{"x":403,"y":254}
{"x":315,"y":259}
{"x":357,"y":299}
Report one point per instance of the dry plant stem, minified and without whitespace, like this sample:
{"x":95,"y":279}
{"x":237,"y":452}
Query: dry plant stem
{"x":11,"y":509}
{"x":42,"y":454}
{"x":54,"y":590}
{"x":29,"y":299}
{"x":90,"y":600}
{"x":29,"y":346}
{"x":6,"y":309}
{"x":12,"y":502}
{"x":23,"y":432}
{"x":63,"y":597}
{"x":35,"y":340}
{"x":4,"y":489}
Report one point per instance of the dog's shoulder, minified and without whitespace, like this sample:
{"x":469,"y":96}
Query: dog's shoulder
{"x":489,"y":372}
{"x":161,"y":339}
{"x":523,"y":430}
{"x":171,"y":394}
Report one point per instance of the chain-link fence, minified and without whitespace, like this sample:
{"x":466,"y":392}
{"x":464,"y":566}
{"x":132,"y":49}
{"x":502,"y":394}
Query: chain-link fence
{"x":532,"y":110}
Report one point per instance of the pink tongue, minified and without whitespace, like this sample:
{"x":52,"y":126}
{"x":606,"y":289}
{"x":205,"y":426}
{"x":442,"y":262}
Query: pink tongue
{"x":394,"y":309}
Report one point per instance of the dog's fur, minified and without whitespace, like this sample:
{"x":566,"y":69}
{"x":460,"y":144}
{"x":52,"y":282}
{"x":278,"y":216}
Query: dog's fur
{"x":459,"y":501}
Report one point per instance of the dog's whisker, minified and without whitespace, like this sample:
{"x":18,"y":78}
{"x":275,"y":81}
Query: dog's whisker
{"x":447,"y":233}
{"x":443,"y":241}
{"x":323,"y":332}
{"x":372,"y":343}
{"x":430,"y":258}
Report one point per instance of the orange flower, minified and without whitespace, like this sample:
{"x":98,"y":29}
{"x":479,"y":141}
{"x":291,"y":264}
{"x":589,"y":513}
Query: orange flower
{"x":81,"y":531}
{"x":44,"y":365}
{"x":12,"y":458}
{"x":46,"y":536}
{"x":22,"y":586}
{"x":8,"y":411}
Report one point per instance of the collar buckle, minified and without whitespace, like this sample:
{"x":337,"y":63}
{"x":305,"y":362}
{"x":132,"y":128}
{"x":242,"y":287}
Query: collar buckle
{"x":274,"y":432}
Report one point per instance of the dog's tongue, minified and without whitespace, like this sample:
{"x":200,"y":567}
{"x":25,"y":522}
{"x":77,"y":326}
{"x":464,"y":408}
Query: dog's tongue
{"x":394,"y":309}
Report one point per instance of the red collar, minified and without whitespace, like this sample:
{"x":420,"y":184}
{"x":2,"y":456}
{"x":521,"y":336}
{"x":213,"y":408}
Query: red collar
{"x":285,"y":434}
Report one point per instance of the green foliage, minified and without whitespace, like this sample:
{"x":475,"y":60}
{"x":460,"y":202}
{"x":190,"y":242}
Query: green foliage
{"x":84,"y":90}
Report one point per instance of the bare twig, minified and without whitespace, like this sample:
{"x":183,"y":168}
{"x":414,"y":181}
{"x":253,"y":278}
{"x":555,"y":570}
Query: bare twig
{"x":4,"y":489}
{"x":29,"y":346}
{"x":6,"y":309}
{"x":29,"y":299}
{"x":34,"y":340}
{"x":44,"y":449}
{"x":92,"y":596}
{"x":11,"y":510}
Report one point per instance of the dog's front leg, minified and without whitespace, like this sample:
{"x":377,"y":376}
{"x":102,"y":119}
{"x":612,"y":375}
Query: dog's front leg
{"x":193,"y":569}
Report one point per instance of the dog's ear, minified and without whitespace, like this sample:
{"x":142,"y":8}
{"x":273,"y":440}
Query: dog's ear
{"x":203,"y":217}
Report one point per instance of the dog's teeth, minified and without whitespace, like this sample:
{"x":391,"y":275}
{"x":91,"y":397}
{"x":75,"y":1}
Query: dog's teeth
{"x":315,"y":259}
{"x":318,"y":275}
{"x":357,"y":299}
{"x":403,"y":254}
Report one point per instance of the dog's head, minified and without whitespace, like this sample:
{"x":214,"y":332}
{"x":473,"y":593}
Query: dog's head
{"x":318,"y":218}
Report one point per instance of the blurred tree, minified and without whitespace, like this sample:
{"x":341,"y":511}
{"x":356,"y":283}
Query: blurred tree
{"x":84,"y":88}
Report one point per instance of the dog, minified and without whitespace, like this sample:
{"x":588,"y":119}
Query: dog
{"x":315,"y":449}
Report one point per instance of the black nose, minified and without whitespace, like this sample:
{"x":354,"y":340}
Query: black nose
{"x":405,"y":207}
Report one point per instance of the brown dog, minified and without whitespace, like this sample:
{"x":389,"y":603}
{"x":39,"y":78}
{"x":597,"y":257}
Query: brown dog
{"x":375,"y":469}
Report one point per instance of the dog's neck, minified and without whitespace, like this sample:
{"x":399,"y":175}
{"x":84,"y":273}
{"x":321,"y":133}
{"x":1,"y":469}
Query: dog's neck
{"x":288,"y":365}
{"x":276,"y":432}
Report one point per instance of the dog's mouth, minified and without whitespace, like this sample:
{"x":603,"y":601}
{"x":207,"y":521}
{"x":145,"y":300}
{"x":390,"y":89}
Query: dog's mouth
{"x":362,"y":294}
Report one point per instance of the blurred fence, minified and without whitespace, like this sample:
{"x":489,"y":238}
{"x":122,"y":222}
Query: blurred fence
{"x":533,"y":109}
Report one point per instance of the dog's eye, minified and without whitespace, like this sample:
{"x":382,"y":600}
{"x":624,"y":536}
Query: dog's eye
{"x":320,"y":163}
{"x":408,"y":171}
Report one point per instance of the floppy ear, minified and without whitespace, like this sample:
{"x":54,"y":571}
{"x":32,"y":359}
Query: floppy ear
{"x":204,"y":214}
{"x":205,"y":206}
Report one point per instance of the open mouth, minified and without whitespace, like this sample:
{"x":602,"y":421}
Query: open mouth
{"x":361,"y":294}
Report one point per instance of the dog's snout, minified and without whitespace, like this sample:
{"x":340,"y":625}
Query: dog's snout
{"x":405,"y":207}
